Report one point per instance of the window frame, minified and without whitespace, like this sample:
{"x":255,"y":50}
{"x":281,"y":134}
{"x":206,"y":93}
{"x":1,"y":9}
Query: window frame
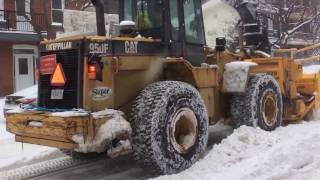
{"x":196,"y":7}
{"x":2,"y":19}
{"x":22,"y":10}
{"x":57,"y":10}
{"x":132,"y":10}
{"x":175,"y":30}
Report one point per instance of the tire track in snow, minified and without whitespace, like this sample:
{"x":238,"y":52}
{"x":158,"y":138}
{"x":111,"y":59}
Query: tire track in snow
{"x":40,"y":168}
{"x":104,"y":169}
{"x":123,"y":167}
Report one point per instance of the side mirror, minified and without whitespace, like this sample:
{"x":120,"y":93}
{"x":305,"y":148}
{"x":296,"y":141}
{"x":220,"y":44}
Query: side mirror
{"x":221,"y":44}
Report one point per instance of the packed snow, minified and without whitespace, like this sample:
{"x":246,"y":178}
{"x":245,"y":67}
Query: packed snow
{"x":3,"y":133}
{"x":313,"y":69}
{"x":73,"y":113}
{"x":14,"y":155}
{"x":287,"y":153}
{"x":236,"y":75}
{"x":115,"y":126}
{"x":220,"y":20}
{"x":30,"y":92}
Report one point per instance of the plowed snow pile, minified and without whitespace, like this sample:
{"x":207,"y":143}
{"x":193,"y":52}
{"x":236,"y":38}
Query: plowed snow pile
{"x":3,"y":133}
{"x":291,"y":152}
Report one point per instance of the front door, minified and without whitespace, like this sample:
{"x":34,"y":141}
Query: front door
{"x":24,"y":71}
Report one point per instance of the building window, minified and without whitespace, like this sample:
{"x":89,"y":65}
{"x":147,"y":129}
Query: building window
{"x":21,"y":7}
{"x":1,"y":10}
{"x":57,"y":12}
{"x":23,"y":66}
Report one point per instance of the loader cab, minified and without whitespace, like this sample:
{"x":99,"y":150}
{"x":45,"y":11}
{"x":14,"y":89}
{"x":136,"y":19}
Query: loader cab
{"x":177,"y":23}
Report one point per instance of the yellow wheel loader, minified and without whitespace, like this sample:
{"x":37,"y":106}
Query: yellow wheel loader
{"x":154,"y":90}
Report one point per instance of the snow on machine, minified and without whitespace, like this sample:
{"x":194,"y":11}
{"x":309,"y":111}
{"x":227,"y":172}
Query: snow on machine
{"x":155,"y":87}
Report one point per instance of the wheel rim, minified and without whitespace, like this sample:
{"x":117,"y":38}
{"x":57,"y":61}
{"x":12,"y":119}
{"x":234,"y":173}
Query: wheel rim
{"x":270,"y":109}
{"x":183,"y":130}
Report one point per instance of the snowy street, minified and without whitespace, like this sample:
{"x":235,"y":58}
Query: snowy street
{"x":289,"y":152}
{"x":249,"y":153}
{"x":129,"y":89}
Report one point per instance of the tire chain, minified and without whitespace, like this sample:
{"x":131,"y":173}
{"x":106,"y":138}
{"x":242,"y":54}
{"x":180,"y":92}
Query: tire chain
{"x":316,"y":52}
{"x":41,"y":168}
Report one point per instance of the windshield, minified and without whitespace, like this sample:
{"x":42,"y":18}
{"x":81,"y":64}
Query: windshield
{"x":147,"y":14}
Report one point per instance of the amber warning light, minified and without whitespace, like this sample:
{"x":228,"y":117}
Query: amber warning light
{"x":58,"y":77}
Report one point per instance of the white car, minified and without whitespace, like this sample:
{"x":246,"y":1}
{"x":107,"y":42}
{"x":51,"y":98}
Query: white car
{"x":25,"y":96}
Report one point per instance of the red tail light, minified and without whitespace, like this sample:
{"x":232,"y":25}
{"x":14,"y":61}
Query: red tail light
{"x":92,"y":71}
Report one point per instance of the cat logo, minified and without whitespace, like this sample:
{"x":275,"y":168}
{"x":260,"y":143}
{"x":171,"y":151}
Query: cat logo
{"x":131,"y":47}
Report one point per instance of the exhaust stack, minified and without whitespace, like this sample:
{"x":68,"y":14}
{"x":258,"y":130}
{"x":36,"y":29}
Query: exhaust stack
{"x":101,"y":29}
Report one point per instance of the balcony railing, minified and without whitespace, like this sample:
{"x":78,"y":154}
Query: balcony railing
{"x":22,"y":21}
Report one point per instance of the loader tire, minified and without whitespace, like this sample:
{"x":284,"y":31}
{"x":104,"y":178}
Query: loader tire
{"x":260,"y":105}
{"x":170,"y":127}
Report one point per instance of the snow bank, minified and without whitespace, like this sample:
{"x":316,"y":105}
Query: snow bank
{"x":3,"y":132}
{"x":290,"y":152}
{"x":30,"y":92}
{"x":16,"y":110}
{"x":14,"y":155}
{"x":220,"y":20}
{"x":114,"y":127}
{"x":236,"y":75}
{"x":1,"y":108}
{"x":312,"y":69}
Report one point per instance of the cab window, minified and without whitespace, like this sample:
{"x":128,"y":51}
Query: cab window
{"x":193,"y":25}
{"x":149,"y":14}
{"x":128,"y":10}
{"x":174,"y":18}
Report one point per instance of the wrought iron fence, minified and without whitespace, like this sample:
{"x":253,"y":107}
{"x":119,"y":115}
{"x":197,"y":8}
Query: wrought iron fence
{"x":22,"y":21}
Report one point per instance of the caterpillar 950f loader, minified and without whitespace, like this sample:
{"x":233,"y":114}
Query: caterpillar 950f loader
{"x":155,"y":94}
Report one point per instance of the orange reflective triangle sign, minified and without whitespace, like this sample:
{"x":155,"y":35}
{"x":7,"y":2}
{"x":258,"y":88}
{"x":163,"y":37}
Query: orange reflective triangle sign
{"x":58,"y":78}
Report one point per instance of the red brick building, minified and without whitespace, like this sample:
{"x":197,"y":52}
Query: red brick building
{"x":23,"y":24}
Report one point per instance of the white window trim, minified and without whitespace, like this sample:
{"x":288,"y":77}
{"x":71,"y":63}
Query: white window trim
{"x":28,"y":6}
{"x":62,"y":6}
